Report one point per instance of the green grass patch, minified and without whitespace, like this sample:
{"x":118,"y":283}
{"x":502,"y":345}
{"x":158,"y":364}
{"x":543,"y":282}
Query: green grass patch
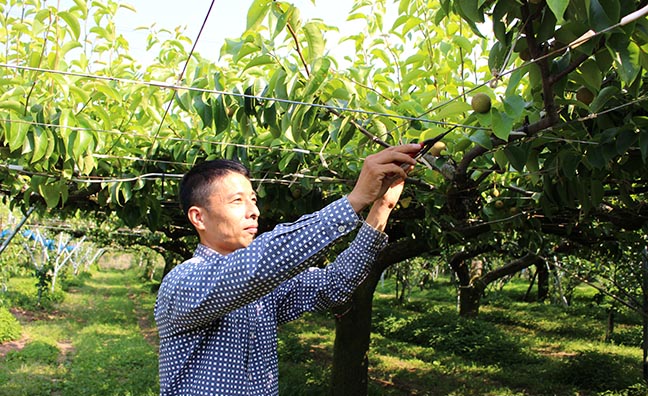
{"x":100,"y":340}
{"x":90,"y":343}
{"x":10,"y":328}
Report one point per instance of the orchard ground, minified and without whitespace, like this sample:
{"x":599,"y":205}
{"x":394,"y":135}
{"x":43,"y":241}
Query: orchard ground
{"x":99,"y":338}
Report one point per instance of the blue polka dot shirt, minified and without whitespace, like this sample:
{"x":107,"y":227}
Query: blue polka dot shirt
{"x":217,"y":315}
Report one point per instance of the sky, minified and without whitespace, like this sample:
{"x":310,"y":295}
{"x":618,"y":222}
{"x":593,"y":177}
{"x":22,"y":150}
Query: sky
{"x":227,"y":20}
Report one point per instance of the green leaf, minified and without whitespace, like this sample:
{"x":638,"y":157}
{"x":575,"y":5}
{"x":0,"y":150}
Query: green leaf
{"x":482,"y":138}
{"x":12,"y":105}
{"x":41,"y":144}
{"x":16,"y":134}
{"x":78,"y":94}
{"x":625,"y":140}
{"x":410,"y":23}
{"x":498,"y":55}
{"x":257,"y":13}
{"x":204,"y":111}
{"x":79,"y":142}
{"x":595,"y":157}
{"x":285,"y":161}
{"x":514,"y":106}
{"x":517,"y":155}
{"x":591,"y":74}
{"x":453,"y":108}
{"x":126,"y":191}
{"x":502,"y":124}
{"x":72,"y":22}
{"x":463,"y":42}
{"x":547,"y":27}
{"x":347,"y":133}
{"x":286,"y":127}
{"x":270,"y":118}
{"x":603,"y":14}
{"x":83,"y":7}
{"x":51,"y":193}
{"x":221,"y":119}
{"x":643,"y":145}
{"x":104,"y":88}
{"x":628,"y":60}
{"x":596,"y":192}
{"x":499,"y":30}
{"x":501,"y":159}
{"x":283,"y":19}
{"x":569,"y":161}
{"x":558,"y":8}
{"x":315,"y":40}
{"x":260,"y":61}
{"x":469,"y":9}
{"x":603,"y":97}
{"x":317,"y":78}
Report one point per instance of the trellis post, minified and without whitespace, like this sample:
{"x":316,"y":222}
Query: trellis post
{"x":7,"y":241}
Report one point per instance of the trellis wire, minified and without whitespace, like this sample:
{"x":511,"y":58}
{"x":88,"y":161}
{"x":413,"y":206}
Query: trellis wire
{"x":160,"y":84}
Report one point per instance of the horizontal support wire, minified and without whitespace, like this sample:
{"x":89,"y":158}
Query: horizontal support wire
{"x":176,"y":87}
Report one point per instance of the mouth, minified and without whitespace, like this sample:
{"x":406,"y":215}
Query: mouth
{"x":252,"y":230}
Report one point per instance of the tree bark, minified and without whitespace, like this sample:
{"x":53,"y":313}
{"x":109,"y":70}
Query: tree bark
{"x":349,"y":374}
{"x":543,"y":281}
{"x":469,"y":299}
{"x":350,"y":370}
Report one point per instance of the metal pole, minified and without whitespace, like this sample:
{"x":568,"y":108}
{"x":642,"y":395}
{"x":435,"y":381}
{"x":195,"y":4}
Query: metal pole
{"x":15,"y":231}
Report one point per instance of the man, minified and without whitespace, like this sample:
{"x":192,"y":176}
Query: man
{"x":218,"y":312}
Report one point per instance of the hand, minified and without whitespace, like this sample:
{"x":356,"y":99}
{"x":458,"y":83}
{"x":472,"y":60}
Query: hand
{"x":379,"y":172}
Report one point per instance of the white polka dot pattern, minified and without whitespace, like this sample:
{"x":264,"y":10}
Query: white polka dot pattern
{"x":217,"y":315}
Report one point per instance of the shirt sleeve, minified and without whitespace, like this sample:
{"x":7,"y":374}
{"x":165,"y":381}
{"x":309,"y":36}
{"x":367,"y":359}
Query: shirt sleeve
{"x":318,"y":289}
{"x":208,"y":286}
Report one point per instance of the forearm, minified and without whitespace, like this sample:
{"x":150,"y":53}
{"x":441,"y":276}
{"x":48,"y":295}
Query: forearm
{"x":379,"y":215}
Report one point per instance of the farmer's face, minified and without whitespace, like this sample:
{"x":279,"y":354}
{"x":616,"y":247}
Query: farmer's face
{"x":230,"y":220}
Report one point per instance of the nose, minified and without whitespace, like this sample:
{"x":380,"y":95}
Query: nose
{"x":253,"y":210}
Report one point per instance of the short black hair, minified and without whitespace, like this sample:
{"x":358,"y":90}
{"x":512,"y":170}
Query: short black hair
{"x":196,"y":185}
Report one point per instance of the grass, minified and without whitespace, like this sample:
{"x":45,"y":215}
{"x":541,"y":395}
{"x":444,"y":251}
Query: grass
{"x":88,"y":344}
{"x":100,"y":340}
{"x":514,"y":348}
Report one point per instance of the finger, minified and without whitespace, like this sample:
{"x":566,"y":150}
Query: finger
{"x":407,"y":148}
{"x":398,"y":155}
{"x":394,"y":171}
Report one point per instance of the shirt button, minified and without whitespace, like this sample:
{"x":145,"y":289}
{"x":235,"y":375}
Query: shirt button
{"x":251,"y":335}
{"x":341,"y":228}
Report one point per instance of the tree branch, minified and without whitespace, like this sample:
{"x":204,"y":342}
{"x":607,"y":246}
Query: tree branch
{"x":510,"y":268}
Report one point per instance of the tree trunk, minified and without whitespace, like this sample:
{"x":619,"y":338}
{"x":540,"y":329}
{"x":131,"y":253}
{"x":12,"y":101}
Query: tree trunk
{"x":470,"y":291}
{"x":543,"y":281}
{"x":609,"y":329}
{"x":349,"y":374}
{"x":469,"y":297}
{"x":352,"y":336}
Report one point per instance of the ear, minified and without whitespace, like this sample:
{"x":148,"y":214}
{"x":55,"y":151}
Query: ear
{"x":195,"y":215}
